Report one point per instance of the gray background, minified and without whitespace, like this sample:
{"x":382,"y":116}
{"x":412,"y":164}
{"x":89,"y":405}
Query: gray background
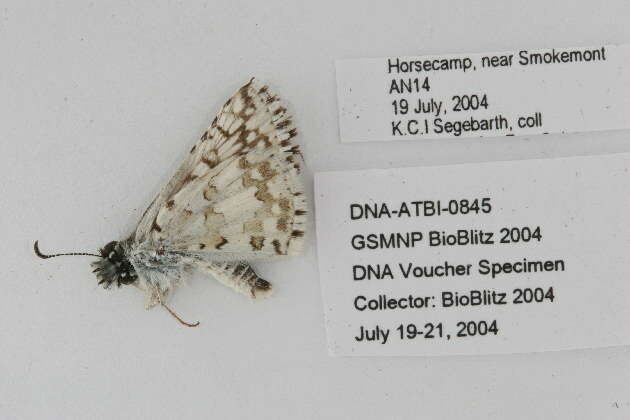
{"x":98,"y":104}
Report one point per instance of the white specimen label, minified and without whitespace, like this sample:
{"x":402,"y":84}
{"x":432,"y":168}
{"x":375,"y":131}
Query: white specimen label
{"x":484,"y":95}
{"x":502,"y":257}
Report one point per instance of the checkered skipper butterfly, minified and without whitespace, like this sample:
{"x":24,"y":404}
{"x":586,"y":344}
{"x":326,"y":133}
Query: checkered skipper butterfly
{"x":237,"y":197}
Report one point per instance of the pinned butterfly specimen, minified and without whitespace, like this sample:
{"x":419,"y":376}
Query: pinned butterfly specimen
{"x":236,"y":198}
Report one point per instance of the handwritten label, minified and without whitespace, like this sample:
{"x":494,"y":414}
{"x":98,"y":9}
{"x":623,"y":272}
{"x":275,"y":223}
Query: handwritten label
{"x":510,"y":93}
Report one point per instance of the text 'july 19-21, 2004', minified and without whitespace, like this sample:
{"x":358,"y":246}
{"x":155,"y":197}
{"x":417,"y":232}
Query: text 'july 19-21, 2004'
{"x":501,"y":257}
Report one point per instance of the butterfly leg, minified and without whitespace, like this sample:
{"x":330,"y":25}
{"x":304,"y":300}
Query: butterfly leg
{"x":158,"y":285}
{"x":241,"y":277}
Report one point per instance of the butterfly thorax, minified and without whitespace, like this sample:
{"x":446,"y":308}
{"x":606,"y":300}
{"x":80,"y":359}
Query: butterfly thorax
{"x":114,"y":266}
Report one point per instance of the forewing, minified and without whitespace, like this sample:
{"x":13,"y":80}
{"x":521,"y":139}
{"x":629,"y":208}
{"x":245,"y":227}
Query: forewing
{"x":238,"y":193}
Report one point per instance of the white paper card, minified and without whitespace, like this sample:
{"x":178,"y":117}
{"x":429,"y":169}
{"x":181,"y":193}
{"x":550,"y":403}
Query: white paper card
{"x":520,"y":92}
{"x":504,"y":257}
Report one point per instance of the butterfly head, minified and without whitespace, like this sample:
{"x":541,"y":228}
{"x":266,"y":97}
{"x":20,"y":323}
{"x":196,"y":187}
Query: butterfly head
{"x":114,"y":267}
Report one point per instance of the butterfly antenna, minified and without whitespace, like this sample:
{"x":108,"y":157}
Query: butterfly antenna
{"x":172,"y":312}
{"x":45,"y":256}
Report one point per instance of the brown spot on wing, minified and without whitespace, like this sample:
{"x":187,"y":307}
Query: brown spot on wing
{"x":264,"y":195}
{"x":253,"y":226}
{"x":189,"y":178}
{"x":210,"y":163}
{"x":209,"y":192}
{"x":283,"y":124}
{"x":223,"y":242}
{"x":155,"y":226}
{"x":243,"y":163}
{"x":276,"y":246}
{"x":282,"y":224}
{"x":285,"y":204}
{"x":257,"y":242}
{"x":265,"y":171}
